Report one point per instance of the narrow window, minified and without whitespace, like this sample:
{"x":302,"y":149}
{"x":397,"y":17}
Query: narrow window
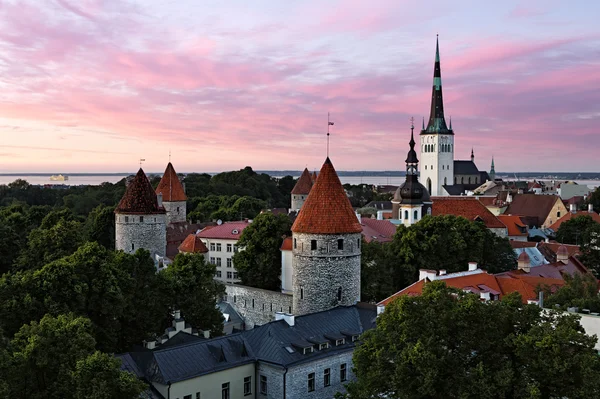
{"x":187,"y":397}
{"x":313,"y":245}
{"x":416,"y":215}
{"x":218,"y":273}
{"x":339,"y":294}
{"x":141,"y":219}
{"x":311,"y":382}
{"x":225,"y":391}
{"x":132,"y":246}
{"x":229,"y":275}
{"x":218,"y":262}
{"x":126,"y":219}
{"x":405,"y":214}
{"x":247,"y":386}
{"x":341,"y":244}
{"x":326,"y":377}
{"x":558,"y":214}
{"x":234,"y":298}
{"x":212,"y":246}
{"x":229,"y":248}
{"x":263,"y":384}
{"x":343,"y":372}
{"x":295,"y":246}
{"x":301,"y":292}
{"x":290,"y":311}
{"x":252,"y":303}
{"x":178,"y":212}
{"x":219,"y":247}
{"x":197,"y":395}
{"x":228,"y":262}
{"x":358,"y":243}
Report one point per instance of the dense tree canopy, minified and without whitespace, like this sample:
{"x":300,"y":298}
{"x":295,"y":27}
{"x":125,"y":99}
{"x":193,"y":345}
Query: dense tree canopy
{"x":448,"y":344}
{"x":585,"y":232}
{"x":435,"y":242}
{"x":259,"y":260}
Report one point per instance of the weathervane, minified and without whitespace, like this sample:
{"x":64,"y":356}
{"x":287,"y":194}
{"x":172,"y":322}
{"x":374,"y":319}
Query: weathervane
{"x":141,"y":160}
{"x":329,"y":123}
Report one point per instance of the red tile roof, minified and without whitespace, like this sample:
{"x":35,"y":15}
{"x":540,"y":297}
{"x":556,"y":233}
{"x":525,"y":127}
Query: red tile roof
{"x":514,"y":224}
{"x":327,"y":209}
{"x":571,"y":215}
{"x":533,"y":206}
{"x":170,"y":186}
{"x":468,"y":207}
{"x":193,"y":244}
{"x":377,"y":230}
{"x":286,"y":245}
{"x":226,"y":231}
{"x":304,"y":183}
{"x":139,"y":197}
{"x":522,"y":244}
{"x":314,"y":177}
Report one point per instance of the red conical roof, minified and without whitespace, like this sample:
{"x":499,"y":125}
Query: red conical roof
{"x":314,"y":177}
{"x":304,"y":183}
{"x":170,"y":186}
{"x":193,"y":244}
{"x":327,"y":209}
{"x":139,"y":197}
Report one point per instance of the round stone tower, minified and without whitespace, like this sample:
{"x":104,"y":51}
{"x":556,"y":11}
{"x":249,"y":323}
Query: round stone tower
{"x":301,"y":190}
{"x":326,"y":239}
{"x":173,"y":195}
{"x":140,"y":219}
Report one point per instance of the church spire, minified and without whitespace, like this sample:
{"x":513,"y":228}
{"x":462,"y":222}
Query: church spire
{"x":493,"y":170}
{"x":437,"y":123}
{"x":472,"y":155}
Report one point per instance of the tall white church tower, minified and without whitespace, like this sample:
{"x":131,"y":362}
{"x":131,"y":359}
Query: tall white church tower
{"x":437,"y":140}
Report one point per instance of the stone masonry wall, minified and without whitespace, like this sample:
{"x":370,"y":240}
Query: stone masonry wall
{"x":318,"y":274}
{"x":274,"y":376}
{"x":149,"y":234}
{"x":298,"y":201}
{"x":255,"y":305}
{"x":173,"y":214}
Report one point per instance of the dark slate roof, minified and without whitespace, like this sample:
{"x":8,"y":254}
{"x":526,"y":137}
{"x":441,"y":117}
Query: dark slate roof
{"x":455,"y":189}
{"x":128,"y":364}
{"x":380,"y":205}
{"x":465,"y":168}
{"x":139,"y":197}
{"x":181,"y":338}
{"x":483,"y":177}
{"x":234,"y":316}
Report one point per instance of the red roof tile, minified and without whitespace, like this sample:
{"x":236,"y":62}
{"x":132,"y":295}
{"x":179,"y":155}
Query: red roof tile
{"x":304,"y":183}
{"x":193,"y":244}
{"x":314,"y":177}
{"x":522,"y":244}
{"x":514,"y":224}
{"x":377,"y":230}
{"x":327,"y":209}
{"x":571,"y":215}
{"x":286,"y":245}
{"x":468,"y":207}
{"x":139,"y":197}
{"x":226,"y":231}
{"x":170,"y":186}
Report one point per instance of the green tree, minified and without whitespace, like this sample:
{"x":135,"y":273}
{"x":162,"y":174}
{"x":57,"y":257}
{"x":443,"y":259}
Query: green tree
{"x":190,"y":287}
{"x":447,"y":343}
{"x":100,"y":226}
{"x":98,"y":377}
{"x":259,"y":260}
{"x":594,"y":199}
{"x":576,"y":230}
{"x":579,"y":290}
{"x":379,"y":273}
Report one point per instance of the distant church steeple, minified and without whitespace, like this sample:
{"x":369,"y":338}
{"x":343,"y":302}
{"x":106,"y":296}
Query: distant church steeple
{"x":437,"y":122}
{"x":472,"y":155}
{"x":492,"y":171}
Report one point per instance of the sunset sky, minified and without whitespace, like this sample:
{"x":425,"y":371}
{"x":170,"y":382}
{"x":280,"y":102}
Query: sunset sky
{"x":94,"y":85}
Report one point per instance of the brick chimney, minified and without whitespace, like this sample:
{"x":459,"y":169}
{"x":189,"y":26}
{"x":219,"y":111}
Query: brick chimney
{"x":524,"y":262}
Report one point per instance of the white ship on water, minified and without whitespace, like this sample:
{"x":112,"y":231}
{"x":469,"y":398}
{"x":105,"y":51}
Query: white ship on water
{"x":59,"y":178}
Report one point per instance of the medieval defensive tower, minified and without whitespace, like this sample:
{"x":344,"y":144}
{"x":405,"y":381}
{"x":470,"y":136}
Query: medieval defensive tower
{"x":173,"y":196}
{"x":140,"y":219}
{"x":326,"y":238}
{"x":301,"y":190}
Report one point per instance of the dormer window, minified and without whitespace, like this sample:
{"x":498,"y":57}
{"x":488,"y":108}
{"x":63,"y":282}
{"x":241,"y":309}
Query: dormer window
{"x":339,"y":342}
{"x":307,"y":350}
{"x":323,"y":346}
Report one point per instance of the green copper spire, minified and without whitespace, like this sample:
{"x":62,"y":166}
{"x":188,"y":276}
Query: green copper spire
{"x":437,"y":48}
{"x":437,"y":122}
{"x":492,"y":170}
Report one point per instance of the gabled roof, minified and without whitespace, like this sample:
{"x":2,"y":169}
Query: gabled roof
{"x":286,"y":245}
{"x":170,"y":187}
{"x":468,"y":207}
{"x":327,"y":209}
{"x":304,"y":183}
{"x":514,"y":224}
{"x":571,"y":215}
{"x":533,"y":206}
{"x":377,"y":230}
{"x":465,"y":168}
{"x":193,"y":244}
{"x":225,"y":231}
{"x":139,"y":197}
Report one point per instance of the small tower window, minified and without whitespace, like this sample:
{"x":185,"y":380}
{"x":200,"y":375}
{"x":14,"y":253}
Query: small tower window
{"x":301,"y":292}
{"x":358,"y":243}
{"x":339,"y":294}
{"x":416,"y":215}
{"x":177,"y":209}
{"x":313,"y":245}
{"x":295,"y":246}
{"x":405,"y":214}
{"x":126,"y":219}
{"x":141,"y":219}
{"x":341,"y":244}
{"x":425,"y":167}
{"x":132,"y":247}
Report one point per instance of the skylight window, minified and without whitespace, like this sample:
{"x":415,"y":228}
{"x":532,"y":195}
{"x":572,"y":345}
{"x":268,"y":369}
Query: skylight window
{"x":289,"y":349}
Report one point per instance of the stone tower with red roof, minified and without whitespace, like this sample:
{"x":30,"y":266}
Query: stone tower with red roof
{"x":301,"y":190}
{"x":173,"y":196}
{"x":140,"y":219}
{"x":326,"y":239}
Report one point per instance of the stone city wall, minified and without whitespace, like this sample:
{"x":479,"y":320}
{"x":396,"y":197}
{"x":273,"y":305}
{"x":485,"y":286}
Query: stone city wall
{"x":255,"y":305}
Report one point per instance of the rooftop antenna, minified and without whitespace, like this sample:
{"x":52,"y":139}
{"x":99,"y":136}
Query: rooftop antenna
{"x":329,"y":123}
{"x":142,"y":160}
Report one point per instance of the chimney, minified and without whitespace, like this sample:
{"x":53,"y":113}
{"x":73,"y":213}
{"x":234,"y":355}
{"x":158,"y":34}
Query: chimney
{"x":159,"y":199}
{"x":590,"y":208}
{"x":177,"y":314}
{"x":472,"y":266}
{"x":149,"y":344}
{"x":443,"y":272}
{"x":572,"y":208}
{"x":288,"y":317}
{"x":524,"y":262}
{"x":424,"y":273}
{"x":379,"y":215}
{"x":509,"y":198}
{"x":562,"y":255}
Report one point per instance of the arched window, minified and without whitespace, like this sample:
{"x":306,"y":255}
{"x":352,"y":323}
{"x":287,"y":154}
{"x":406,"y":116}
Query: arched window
{"x":416,"y":215}
{"x":429,"y":211}
{"x":429,"y":185}
{"x":445,"y":181}
{"x":405,"y":214}
{"x":339,"y":294}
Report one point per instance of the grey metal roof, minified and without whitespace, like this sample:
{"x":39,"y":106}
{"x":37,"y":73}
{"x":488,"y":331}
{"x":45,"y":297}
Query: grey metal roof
{"x":128,"y":364}
{"x":465,"y":168}
{"x":234,"y":316}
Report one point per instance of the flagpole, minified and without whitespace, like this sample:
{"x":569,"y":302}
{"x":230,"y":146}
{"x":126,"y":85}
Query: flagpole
{"x":328,"y":135}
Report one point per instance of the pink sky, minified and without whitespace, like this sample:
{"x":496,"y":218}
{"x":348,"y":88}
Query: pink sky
{"x":94,"y":85}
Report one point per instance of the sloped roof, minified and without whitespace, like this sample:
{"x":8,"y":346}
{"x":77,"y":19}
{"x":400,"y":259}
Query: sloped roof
{"x":377,"y":230}
{"x":468,"y":207}
{"x":304,"y":183}
{"x":170,"y":187}
{"x":465,"y":168}
{"x":139,"y":197}
{"x":286,"y":245}
{"x":193,"y":244}
{"x":226,"y":231}
{"x":571,"y":215}
{"x":327,"y":209}
{"x":535,"y":207}
{"x":514,"y":224}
